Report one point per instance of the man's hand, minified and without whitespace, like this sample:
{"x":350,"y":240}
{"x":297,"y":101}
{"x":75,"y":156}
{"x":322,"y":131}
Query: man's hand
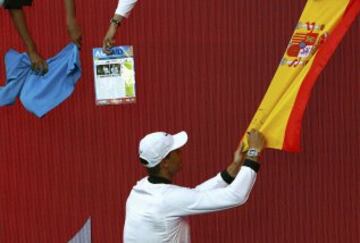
{"x":256,"y":140}
{"x":74,"y":32}
{"x":38,"y":64}
{"x":256,"y":145}
{"x":109,"y":39}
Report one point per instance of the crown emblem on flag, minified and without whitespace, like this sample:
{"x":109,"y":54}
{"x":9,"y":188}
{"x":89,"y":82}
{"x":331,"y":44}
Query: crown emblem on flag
{"x":304,"y":44}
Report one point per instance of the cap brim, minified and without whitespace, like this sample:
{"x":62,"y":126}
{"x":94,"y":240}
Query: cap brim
{"x":180,"y":140}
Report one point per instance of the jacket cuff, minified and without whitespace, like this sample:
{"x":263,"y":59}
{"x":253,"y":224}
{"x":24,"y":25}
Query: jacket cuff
{"x":252,"y":164}
{"x":226,"y":177}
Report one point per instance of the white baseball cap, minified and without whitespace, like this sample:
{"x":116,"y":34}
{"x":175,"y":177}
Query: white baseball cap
{"x":154,"y":147}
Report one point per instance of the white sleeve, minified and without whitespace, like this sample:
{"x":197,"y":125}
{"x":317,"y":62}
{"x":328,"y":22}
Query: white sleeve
{"x":180,"y":201}
{"x":124,"y":7}
{"x":212,"y":183}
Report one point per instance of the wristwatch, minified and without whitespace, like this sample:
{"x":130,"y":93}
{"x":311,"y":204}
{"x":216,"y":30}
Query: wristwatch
{"x":115,"y":21}
{"x":252,"y":152}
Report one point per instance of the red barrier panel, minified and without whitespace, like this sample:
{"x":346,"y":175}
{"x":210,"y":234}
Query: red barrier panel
{"x":203,"y":67}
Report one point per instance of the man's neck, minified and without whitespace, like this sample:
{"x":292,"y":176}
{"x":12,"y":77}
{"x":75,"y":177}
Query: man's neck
{"x":165,"y":174}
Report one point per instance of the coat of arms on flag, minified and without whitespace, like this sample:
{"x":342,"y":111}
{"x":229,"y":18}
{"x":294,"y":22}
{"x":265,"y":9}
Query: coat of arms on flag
{"x":320,"y":29}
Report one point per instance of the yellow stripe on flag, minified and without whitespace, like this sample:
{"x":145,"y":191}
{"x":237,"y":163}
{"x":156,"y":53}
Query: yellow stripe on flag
{"x":313,"y":31}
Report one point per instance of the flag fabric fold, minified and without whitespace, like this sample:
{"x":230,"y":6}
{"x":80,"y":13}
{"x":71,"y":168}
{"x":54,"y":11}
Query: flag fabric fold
{"x":320,"y":29}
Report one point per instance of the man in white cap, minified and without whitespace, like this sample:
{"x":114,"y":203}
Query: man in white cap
{"x":156,"y":209}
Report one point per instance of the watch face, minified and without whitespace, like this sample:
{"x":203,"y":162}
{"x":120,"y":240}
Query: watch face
{"x":252,"y":153}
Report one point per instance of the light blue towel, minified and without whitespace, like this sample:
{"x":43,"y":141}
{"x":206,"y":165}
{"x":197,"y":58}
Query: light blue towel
{"x":40,"y":94}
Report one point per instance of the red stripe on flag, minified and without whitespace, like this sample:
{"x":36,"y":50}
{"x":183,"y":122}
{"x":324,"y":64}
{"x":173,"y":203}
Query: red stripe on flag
{"x":293,"y":129}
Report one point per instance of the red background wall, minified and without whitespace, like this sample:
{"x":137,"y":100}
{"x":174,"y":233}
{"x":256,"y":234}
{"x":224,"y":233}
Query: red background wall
{"x":203,"y":67}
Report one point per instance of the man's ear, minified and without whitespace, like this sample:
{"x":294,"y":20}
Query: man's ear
{"x":165,"y":161}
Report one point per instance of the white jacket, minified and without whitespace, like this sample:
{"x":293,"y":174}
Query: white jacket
{"x":156,"y":213}
{"x":124,"y":7}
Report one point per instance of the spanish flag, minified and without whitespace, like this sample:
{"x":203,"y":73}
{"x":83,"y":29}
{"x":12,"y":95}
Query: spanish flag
{"x":320,"y":29}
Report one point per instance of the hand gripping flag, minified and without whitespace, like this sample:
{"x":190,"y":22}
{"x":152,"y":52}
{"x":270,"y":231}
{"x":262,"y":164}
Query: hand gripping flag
{"x":321,"y":27}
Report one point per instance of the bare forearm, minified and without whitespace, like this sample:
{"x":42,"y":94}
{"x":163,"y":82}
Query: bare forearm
{"x":19,"y":20}
{"x":118,"y":18}
{"x":70,"y":11}
{"x":73,"y":27}
{"x":123,"y":10}
{"x":233,"y":169}
{"x":124,"y":7}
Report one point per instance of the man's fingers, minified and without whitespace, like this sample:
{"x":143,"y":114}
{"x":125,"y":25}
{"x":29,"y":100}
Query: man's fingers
{"x":108,"y":44}
{"x":256,"y":139}
{"x":38,"y":64}
{"x":106,"y":50}
{"x":76,"y":39}
{"x":36,"y":67}
{"x":45,"y":68}
{"x":40,"y":67}
{"x":77,"y":43}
